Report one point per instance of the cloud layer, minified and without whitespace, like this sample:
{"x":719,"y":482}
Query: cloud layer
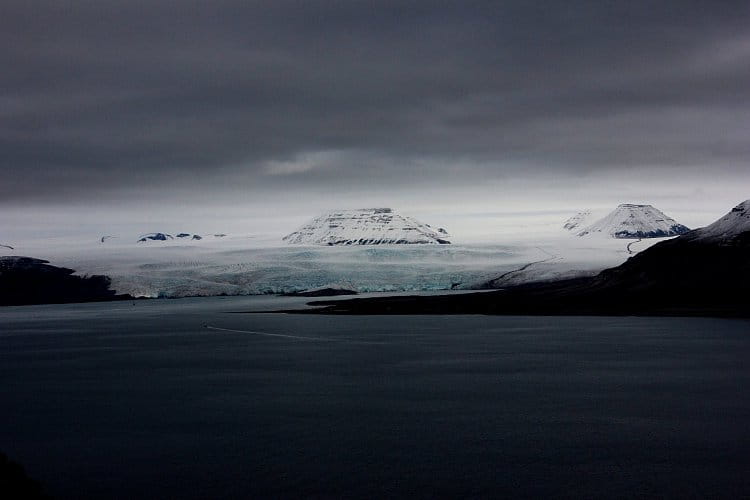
{"x":100,"y":98}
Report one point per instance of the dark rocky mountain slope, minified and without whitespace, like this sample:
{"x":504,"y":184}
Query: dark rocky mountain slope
{"x":25,"y":280}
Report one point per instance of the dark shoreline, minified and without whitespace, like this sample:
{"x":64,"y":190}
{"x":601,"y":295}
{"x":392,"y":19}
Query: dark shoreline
{"x":511,"y":302}
{"x":31,"y":281}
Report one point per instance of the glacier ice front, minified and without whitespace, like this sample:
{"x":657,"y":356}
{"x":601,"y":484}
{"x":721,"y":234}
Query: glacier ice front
{"x":366,"y":226}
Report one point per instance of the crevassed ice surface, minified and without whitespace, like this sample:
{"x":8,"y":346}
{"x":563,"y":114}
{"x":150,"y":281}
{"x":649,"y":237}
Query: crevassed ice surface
{"x":190,"y":271}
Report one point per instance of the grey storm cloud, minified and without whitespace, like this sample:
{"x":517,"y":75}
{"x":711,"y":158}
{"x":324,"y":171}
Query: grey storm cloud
{"x":103,"y":95}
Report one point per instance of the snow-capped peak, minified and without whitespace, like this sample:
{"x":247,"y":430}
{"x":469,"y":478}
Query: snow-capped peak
{"x":366,"y":226}
{"x":578,"y":221}
{"x":635,"y":221}
{"x":736,"y":222}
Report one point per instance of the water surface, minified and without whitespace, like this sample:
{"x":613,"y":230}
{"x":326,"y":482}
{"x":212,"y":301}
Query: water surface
{"x":120,"y":400}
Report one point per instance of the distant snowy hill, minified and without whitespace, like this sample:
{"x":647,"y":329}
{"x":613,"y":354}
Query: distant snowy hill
{"x":578,"y":221}
{"x":367,"y":226}
{"x":635,"y":221}
{"x":734,"y":225}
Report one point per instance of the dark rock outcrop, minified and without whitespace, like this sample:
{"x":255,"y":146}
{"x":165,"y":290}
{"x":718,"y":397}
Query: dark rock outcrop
{"x":155,"y":237}
{"x":189,"y":235}
{"x":25,"y":280}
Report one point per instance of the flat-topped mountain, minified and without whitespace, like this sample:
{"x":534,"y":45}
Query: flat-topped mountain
{"x":635,"y":221}
{"x":366,"y":226}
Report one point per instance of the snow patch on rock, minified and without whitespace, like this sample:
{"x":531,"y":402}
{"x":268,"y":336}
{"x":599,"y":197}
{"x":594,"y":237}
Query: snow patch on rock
{"x":578,"y":221}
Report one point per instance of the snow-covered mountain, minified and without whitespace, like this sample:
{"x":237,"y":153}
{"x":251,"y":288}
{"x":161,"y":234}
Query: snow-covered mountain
{"x":367,"y":226}
{"x":730,"y":227}
{"x":578,"y":221}
{"x":635,"y":221}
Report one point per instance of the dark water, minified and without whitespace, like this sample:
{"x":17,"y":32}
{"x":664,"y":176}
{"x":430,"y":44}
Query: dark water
{"x":115,"y":400}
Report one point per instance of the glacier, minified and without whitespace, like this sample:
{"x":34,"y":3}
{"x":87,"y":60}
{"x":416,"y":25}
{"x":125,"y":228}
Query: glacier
{"x":245,"y":265}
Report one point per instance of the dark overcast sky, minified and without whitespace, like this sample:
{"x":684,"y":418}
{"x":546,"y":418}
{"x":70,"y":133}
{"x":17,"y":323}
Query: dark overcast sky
{"x":313,"y":103}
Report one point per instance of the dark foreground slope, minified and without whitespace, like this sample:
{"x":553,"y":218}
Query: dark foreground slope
{"x":688,"y":275}
{"x":25,"y":280}
{"x":14,"y":483}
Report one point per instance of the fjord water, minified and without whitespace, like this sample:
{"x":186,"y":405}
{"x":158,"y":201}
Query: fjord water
{"x":123,"y":400}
